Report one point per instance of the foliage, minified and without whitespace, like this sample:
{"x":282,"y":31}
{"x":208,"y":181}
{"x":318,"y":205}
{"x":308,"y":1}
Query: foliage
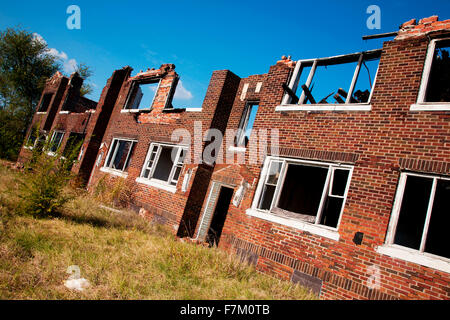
{"x":26,"y":63}
{"x":122,"y":255}
{"x":85,"y":72}
{"x":43,"y":189}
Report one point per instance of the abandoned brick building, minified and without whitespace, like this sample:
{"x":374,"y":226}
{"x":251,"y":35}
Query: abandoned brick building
{"x":352,"y":197}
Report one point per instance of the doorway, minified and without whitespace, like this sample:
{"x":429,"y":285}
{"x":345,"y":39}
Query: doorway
{"x":219,"y":216}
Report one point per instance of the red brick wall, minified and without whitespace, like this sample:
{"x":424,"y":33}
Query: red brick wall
{"x":158,"y":126}
{"x":379,"y":143}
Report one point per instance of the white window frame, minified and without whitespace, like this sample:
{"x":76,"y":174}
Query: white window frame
{"x":133,"y":84}
{"x":421,"y":104}
{"x":108,"y":169}
{"x":243,"y":123}
{"x":52,"y":153}
{"x":405,"y":253}
{"x":347,"y":106}
{"x":316,"y":228}
{"x":156,"y":147}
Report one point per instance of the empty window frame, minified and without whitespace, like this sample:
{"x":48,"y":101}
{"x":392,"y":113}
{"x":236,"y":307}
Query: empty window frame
{"x":309,"y":191}
{"x":31,"y":141}
{"x":435,"y":86}
{"x":43,"y":107}
{"x":120,"y":154}
{"x":73,"y":144}
{"x":246,"y":124}
{"x":55,"y":141}
{"x":421,"y":214}
{"x":142,"y":95}
{"x":164,"y":163}
{"x":323,"y":81}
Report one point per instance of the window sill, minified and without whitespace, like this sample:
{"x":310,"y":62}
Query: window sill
{"x":414,"y":256}
{"x":159,"y":185}
{"x":134,"y":110}
{"x":442,"y":106}
{"x":237,"y":149}
{"x":114,"y":172}
{"x":64,"y":112}
{"x":325,"y":107}
{"x":193,"y":109}
{"x":294,"y":223}
{"x":41,"y":112}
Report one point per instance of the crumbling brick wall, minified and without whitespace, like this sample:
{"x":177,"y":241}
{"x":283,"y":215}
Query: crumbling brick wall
{"x":379,"y":143}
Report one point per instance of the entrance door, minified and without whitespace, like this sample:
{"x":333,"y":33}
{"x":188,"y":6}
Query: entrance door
{"x":219,"y":216}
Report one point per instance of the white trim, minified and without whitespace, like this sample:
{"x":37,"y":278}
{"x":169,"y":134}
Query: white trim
{"x":325,"y":107}
{"x":193,"y":109}
{"x":331,"y":232}
{"x":64,"y":112}
{"x":41,"y":112}
{"x":156,"y":184}
{"x":114,"y":172}
{"x":421,"y":104}
{"x":175,"y":164}
{"x":426,"y":72}
{"x":108,"y":154}
{"x":430,"y":106}
{"x":313,"y":63}
{"x":132,"y":110}
{"x":414,"y":256}
{"x":319,"y":230}
{"x":237,"y":149}
{"x":206,"y":208}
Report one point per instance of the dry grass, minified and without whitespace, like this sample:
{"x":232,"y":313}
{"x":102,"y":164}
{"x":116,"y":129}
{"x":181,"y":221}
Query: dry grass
{"x":122,"y":255}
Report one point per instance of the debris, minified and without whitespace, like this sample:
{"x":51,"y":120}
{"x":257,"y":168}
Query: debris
{"x":77,"y":284}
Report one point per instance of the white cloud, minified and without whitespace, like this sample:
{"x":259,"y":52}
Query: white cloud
{"x":69,"y":65}
{"x":182,"y":93}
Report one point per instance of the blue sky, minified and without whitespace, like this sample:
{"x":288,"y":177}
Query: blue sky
{"x":246,"y":37}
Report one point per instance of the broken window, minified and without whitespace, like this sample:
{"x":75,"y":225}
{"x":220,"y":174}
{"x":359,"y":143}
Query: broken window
{"x":73,"y":144}
{"x":437,"y":86}
{"x":311,"y":192}
{"x":423,"y":216}
{"x":164,"y":163}
{"x":55,"y":141}
{"x":120,"y":154}
{"x":43,"y":107}
{"x":32,"y":137}
{"x":142,"y":95}
{"x":343,"y":79}
{"x":246,"y":124}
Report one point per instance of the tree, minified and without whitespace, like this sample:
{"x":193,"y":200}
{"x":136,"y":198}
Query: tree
{"x":85,"y":72}
{"x":26,"y":63}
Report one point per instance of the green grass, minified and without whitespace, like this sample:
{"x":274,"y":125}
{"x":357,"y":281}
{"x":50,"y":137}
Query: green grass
{"x":121,"y":254}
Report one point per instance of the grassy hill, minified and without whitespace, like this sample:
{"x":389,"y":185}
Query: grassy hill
{"x":119,"y":253}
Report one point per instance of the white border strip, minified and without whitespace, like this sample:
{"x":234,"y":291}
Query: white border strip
{"x":414,"y":257}
{"x":314,"y":229}
{"x":325,"y":107}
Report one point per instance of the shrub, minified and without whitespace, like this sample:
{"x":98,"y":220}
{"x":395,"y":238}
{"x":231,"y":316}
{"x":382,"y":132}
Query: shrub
{"x":43,"y":187}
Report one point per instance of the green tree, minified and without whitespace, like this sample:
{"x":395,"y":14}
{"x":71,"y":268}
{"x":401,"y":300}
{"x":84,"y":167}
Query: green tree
{"x":85,"y":72}
{"x":25,"y":64}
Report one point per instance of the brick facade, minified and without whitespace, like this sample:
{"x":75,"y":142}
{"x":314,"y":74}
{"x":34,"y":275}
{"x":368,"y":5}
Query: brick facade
{"x":379,"y":145}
